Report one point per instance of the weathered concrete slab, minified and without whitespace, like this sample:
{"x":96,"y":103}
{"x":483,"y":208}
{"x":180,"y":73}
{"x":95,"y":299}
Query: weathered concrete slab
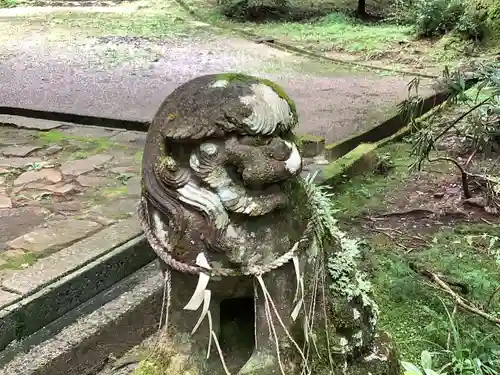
{"x":7,"y":297}
{"x":25,"y":123}
{"x":331,"y":102}
{"x":54,"y":236}
{"x":84,"y":346}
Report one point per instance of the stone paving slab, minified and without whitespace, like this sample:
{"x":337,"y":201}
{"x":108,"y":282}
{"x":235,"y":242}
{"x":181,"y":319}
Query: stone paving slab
{"x":29,"y":123}
{"x":68,"y":199}
{"x":27,"y":314}
{"x":30,"y":279}
{"x":66,"y":195}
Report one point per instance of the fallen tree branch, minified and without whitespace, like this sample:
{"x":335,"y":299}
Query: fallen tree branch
{"x":409,"y":212}
{"x":460,"y":301}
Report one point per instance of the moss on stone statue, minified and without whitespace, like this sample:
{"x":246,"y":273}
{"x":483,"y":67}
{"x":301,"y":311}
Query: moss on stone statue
{"x":283,"y":95}
{"x":245,"y":78}
{"x":297,"y":197}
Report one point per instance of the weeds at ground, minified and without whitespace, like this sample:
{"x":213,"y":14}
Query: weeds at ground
{"x":157,"y":21}
{"x":456,"y":247}
{"x":8,"y":3}
{"x":424,"y":35}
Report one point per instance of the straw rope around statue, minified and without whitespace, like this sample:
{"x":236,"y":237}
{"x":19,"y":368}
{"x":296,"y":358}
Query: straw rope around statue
{"x":164,"y":253}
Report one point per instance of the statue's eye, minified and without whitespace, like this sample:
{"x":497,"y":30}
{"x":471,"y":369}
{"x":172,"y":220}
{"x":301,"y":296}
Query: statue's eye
{"x":263,"y":141}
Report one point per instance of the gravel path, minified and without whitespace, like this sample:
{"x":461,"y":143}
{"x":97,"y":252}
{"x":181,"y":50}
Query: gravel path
{"x":128,"y":77}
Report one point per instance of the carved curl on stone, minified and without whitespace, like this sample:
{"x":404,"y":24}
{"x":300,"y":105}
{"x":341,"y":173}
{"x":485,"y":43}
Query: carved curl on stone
{"x":220,"y":148}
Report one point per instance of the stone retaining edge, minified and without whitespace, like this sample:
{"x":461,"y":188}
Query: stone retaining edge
{"x":69,"y":119}
{"x":126,"y":314}
{"x":388,"y":129}
{"x":361,"y":149}
{"x":33,"y":312}
{"x":383,"y":130}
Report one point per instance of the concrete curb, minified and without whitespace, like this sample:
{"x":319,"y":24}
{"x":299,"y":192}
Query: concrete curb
{"x":32,"y":312}
{"x":83,"y":340}
{"x":13,"y":116}
{"x":386,"y":129}
{"x":289,"y":48}
{"x":357,"y":154}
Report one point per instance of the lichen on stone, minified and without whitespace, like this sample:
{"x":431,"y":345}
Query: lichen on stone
{"x":168,"y":163}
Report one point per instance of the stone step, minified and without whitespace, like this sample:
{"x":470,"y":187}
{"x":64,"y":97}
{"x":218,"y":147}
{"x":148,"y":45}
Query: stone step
{"x":40,"y":294}
{"x":86,"y":338}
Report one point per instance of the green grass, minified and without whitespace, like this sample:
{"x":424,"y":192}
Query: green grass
{"x":335,"y":31}
{"x":153,"y":23}
{"x":19,"y":261}
{"x":411,"y":310}
{"x":159,"y":19}
{"x":364,"y":192}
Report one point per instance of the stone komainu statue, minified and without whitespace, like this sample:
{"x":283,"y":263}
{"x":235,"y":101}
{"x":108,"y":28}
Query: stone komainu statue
{"x":223,"y":208}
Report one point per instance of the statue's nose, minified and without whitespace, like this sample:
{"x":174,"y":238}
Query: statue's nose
{"x":278,"y":149}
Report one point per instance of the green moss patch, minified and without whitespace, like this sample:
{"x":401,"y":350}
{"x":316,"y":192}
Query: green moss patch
{"x":17,"y":262}
{"x":76,"y":147}
{"x":230,"y":77}
{"x":361,"y":157}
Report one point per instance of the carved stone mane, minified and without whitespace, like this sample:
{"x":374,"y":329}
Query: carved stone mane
{"x":218,"y":154}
